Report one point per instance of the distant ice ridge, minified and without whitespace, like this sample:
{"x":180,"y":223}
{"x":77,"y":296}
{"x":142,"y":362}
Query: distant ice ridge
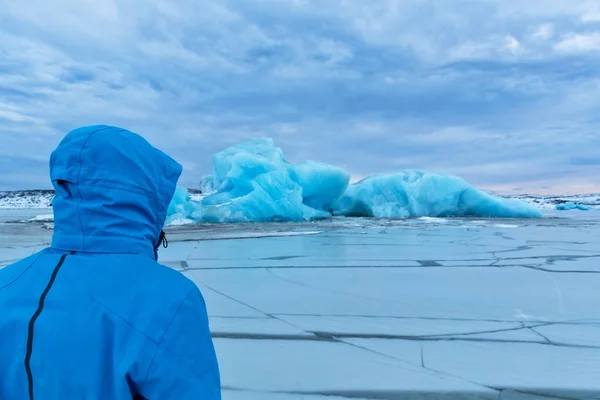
{"x":26,"y":199}
{"x":573,"y":206}
{"x":556,"y":202}
{"x":252,"y":182}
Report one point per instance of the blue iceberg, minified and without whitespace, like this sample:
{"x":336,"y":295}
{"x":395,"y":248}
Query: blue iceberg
{"x":252,"y":182}
{"x":572,"y":206}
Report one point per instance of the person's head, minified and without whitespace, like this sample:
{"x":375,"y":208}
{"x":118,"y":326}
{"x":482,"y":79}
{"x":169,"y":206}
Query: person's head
{"x":112,"y":191}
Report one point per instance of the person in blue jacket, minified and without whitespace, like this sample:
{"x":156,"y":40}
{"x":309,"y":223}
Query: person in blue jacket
{"x":95,"y":316}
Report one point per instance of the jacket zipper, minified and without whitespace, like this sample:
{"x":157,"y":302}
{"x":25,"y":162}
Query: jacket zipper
{"x":32,"y":324}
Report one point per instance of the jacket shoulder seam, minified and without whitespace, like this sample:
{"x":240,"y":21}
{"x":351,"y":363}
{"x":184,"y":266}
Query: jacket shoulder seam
{"x":26,"y":269}
{"x":101,"y":304}
{"x":159,"y":343}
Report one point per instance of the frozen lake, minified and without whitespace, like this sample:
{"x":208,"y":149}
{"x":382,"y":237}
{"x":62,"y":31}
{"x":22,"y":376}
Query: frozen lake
{"x":365,"y":309}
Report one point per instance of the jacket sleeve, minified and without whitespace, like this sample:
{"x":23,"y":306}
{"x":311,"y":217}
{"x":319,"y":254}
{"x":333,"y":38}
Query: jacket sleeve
{"x":185,"y":364}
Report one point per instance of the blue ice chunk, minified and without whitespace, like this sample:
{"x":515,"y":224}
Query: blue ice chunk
{"x":272,"y":196}
{"x":322,"y":184}
{"x":572,"y":206}
{"x":206,"y":184}
{"x":180,"y":201}
{"x":419,"y":194}
{"x":181,"y":207}
{"x":236,"y":166}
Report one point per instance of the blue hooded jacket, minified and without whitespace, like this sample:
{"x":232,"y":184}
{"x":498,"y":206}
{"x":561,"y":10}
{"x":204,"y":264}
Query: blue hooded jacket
{"x":95,"y":316}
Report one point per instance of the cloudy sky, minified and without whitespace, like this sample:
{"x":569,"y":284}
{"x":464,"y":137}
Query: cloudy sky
{"x":504,"y":95}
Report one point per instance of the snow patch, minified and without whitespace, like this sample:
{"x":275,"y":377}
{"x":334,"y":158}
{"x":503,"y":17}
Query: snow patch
{"x":433,"y":220}
{"x":42,"y":218}
{"x":181,"y":222}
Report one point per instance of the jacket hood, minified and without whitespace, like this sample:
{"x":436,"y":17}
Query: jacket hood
{"x":112,"y":191}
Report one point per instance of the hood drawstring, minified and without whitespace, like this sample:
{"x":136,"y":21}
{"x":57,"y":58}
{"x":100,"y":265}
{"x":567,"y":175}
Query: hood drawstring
{"x":162,"y":240}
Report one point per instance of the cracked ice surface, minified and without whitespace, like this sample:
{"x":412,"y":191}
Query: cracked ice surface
{"x":367,"y":309}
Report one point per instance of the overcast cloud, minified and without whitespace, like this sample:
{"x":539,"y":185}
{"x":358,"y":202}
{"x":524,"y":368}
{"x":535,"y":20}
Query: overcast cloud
{"x":504,"y":95}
